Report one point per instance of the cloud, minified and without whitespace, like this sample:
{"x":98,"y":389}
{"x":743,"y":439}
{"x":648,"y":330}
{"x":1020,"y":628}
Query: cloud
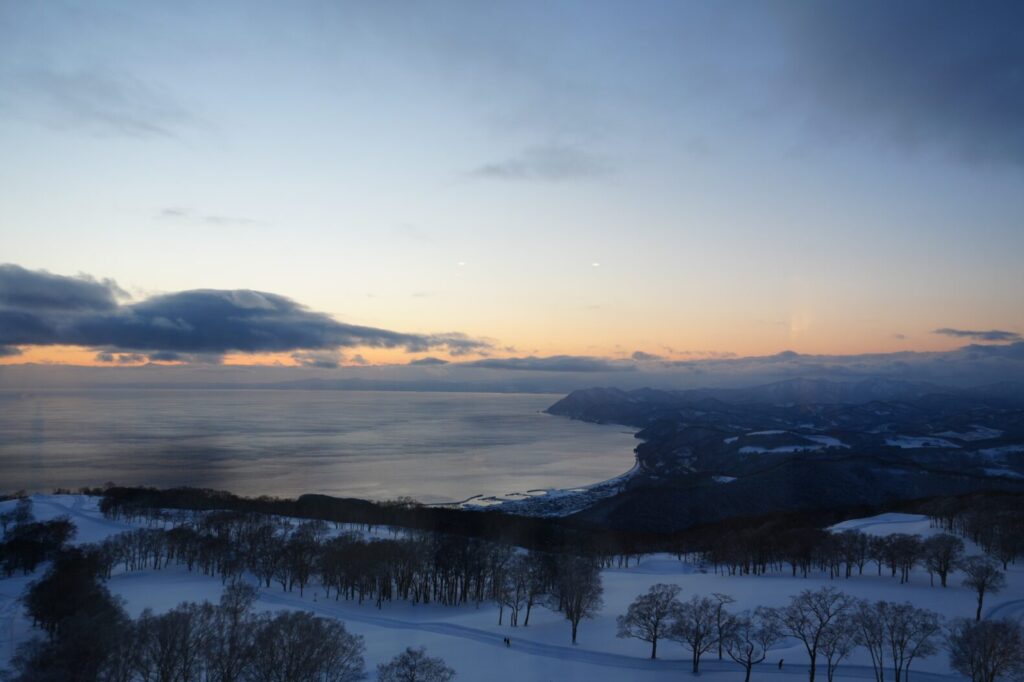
{"x":551,"y":163}
{"x":429,"y":362}
{"x":37,"y":308}
{"x":1011,"y":351}
{"x":177,"y":213}
{"x":641,"y":356}
{"x":102,"y":102}
{"x":171,"y":356}
{"x":9,"y":351}
{"x":121,"y":358}
{"x":941,"y":74}
{"x":987,"y":335}
{"x":39,"y":290}
{"x":323,"y":359}
{"x":554,"y":363}
{"x":974,"y":365}
{"x":457,"y":343}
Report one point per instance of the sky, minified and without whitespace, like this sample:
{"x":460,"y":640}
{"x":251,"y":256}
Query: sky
{"x":336,"y":185}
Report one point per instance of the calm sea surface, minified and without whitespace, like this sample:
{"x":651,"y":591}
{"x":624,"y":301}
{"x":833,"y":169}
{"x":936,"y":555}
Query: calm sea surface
{"x":434,"y":447}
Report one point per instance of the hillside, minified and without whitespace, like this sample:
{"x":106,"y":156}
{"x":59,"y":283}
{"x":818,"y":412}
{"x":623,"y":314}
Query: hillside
{"x":708,"y":455}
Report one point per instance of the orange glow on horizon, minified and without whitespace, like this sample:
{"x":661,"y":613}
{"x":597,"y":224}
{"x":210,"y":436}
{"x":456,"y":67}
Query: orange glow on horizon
{"x":365,"y":357}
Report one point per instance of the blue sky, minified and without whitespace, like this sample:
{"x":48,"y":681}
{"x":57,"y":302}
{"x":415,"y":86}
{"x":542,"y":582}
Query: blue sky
{"x":685,"y":179}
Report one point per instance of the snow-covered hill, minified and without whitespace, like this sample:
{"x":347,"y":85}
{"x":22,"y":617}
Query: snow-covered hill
{"x":471,"y":641}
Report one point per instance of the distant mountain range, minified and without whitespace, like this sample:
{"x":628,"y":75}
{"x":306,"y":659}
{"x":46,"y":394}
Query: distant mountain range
{"x":585,"y":404}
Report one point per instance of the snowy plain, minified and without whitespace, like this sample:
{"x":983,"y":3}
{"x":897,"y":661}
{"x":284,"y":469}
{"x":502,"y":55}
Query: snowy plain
{"x":471,"y":641}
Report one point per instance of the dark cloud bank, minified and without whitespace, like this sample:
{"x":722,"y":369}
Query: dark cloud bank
{"x":41,"y":309}
{"x":198,"y":327}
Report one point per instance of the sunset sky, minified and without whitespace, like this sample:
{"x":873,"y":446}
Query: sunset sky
{"x":524,"y":179}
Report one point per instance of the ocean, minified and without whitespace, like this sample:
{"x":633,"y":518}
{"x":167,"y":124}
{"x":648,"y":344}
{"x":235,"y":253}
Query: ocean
{"x":434,"y":447}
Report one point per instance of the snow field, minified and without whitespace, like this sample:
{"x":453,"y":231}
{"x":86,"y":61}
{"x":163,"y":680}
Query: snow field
{"x":471,"y":641}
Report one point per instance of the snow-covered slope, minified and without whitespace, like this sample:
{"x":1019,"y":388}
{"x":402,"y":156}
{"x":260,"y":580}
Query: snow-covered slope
{"x":470,"y":639}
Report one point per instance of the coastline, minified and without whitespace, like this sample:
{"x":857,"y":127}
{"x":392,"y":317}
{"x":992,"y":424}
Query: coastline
{"x":551,"y":502}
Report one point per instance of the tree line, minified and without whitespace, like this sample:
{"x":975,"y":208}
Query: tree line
{"x":414,"y":566}
{"x":992,"y":519}
{"x":547,"y":534}
{"x":996,"y":523}
{"x":90,"y":638}
{"x":805,"y":551}
{"x":25,"y":543}
{"x":830,"y":625}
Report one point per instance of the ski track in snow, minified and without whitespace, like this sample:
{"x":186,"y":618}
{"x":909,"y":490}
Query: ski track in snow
{"x":1011,"y":609}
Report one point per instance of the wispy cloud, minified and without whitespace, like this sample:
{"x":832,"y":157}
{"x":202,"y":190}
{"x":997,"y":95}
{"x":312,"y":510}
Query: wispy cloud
{"x":429,"y":362}
{"x":121,"y":358}
{"x":322,"y":359}
{"x":548,"y":163}
{"x":99,"y":101}
{"x":979,"y":335}
{"x":178,"y":213}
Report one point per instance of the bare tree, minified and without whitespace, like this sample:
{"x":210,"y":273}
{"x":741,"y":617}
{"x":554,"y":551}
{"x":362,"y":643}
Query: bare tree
{"x":539,"y":577}
{"x":694,"y":627}
{"x":498,"y":562}
{"x":808,"y":615}
{"x":649,"y":617}
{"x":900,"y":632}
{"x":722,"y":618}
{"x":877,"y":550}
{"x":851,"y":547}
{"x":984,"y":577}
{"x":868,"y":620}
{"x":513,"y":587}
{"x":227,"y":650}
{"x":302,"y":555}
{"x":941,"y":554}
{"x":906,"y":551}
{"x":299,"y":647}
{"x":413,"y":665}
{"x":911,"y":633}
{"x":577,"y":589}
{"x":838,"y":640}
{"x":265,"y":551}
{"x":988,"y":650}
{"x":171,"y":645}
{"x":748,"y":639}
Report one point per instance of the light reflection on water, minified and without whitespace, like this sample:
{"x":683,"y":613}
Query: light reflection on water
{"x":371,"y":444}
